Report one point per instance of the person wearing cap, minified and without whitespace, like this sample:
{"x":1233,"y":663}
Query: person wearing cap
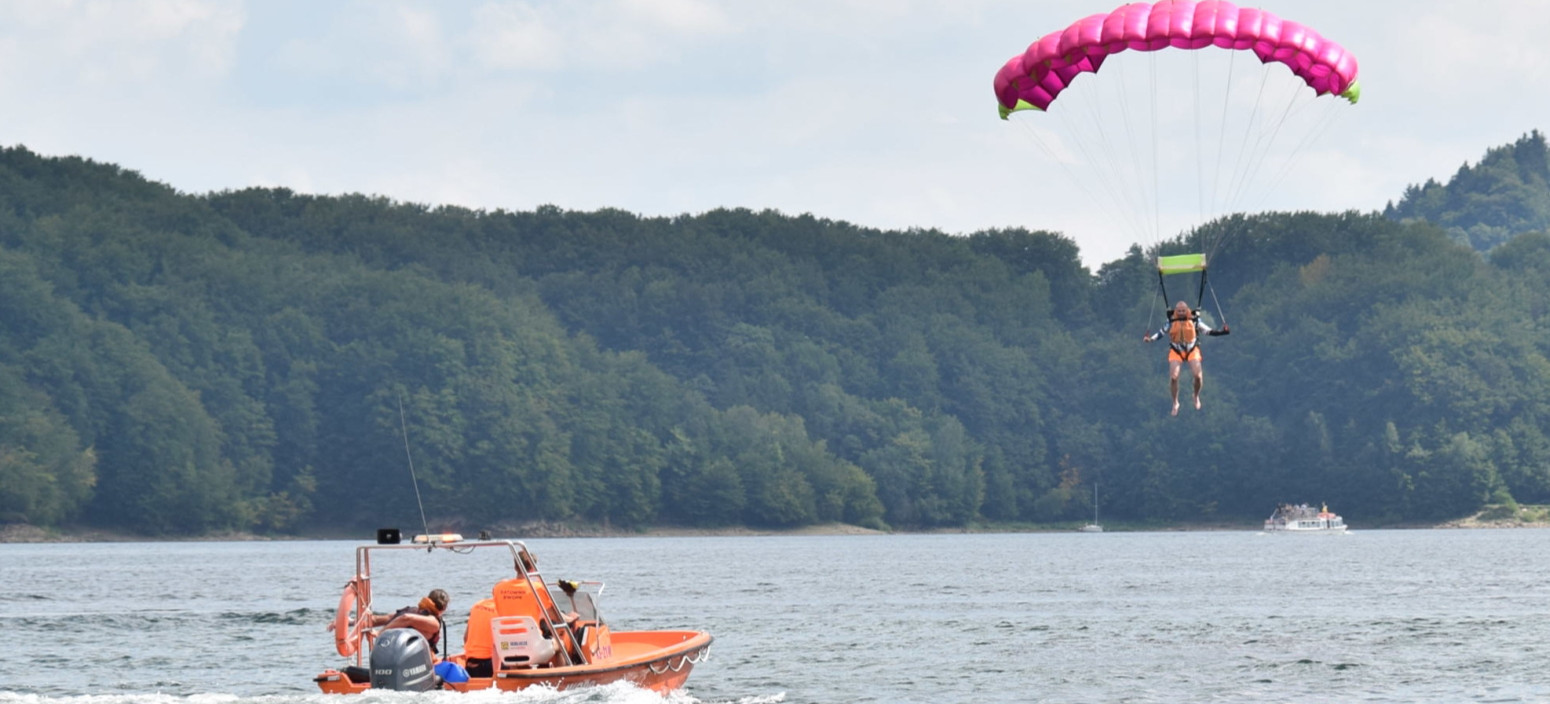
{"x":424,"y":617}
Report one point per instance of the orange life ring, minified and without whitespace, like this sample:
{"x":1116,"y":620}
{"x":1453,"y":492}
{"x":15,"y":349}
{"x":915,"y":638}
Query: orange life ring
{"x":347,"y":635}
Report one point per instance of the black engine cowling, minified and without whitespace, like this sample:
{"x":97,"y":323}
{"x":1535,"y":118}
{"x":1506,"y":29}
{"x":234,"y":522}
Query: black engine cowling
{"x":401,"y":661}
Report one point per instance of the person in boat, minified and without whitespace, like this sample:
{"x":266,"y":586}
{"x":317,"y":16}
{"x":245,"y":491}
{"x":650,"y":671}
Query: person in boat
{"x":516,"y":596}
{"x":1183,"y":331}
{"x":526,"y":595}
{"x":478,"y":640}
{"x":424,"y":617}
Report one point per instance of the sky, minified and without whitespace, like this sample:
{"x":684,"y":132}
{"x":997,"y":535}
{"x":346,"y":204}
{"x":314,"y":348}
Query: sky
{"x":875,"y":112}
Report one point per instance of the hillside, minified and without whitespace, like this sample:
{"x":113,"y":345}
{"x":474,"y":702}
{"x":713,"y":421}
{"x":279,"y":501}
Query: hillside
{"x":1506,"y":194}
{"x":180,"y":364}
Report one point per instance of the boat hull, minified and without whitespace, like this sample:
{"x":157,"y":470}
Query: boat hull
{"x":656,"y":660}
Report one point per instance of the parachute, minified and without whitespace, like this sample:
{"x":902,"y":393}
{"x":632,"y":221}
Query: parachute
{"x":1034,"y":78}
{"x":1092,"y":142}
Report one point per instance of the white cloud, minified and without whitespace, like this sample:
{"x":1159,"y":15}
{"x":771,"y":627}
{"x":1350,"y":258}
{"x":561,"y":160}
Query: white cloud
{"x":117,"y":46}
{"x":399,"y":46}
{"x":516,"y":36}
{"x":624,"y":36}
{"x":1473,"y":53}
{"x":680,"y":17}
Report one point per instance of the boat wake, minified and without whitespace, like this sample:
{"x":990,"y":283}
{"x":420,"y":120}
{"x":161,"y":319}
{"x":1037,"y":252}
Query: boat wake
{"x":616,"y":693}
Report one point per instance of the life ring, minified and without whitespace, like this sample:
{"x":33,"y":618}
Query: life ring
{"x":347,"y":634}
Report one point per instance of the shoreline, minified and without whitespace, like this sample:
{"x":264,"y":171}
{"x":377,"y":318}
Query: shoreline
{"x":24,"y":533}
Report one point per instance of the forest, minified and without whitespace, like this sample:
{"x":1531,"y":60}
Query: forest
{"x":259,"y":360}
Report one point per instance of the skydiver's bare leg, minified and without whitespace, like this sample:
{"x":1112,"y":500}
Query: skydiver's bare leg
{"x":1173,"y":383}
{"x":1200,"y":379}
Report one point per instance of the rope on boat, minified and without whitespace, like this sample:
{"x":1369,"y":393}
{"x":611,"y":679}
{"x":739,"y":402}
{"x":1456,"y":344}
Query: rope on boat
{"x":686,"y":660}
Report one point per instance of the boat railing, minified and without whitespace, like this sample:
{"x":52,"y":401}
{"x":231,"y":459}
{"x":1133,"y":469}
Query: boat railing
{"x":554,"y":622}
{"x":363,"y":553}
{"x":552,"y":616}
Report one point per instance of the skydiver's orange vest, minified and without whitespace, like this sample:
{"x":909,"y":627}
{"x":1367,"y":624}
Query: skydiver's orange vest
{"x":1182,"y":331}
{"x":477,"y":640}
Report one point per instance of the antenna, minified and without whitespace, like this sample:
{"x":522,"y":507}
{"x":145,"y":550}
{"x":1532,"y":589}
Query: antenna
{"x":405,"y":428}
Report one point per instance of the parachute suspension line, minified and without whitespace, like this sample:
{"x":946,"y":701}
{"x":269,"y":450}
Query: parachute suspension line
{"x":1200,"y":167}
{"x":1262,"y":148}
{"x":1243,"y":147}
{"x":1096,"y":132}
{"x":1220,"y":313}
{"x":1221,"y":134}
{"x":1266,"y":160}
{"x":1156,"y":184}
{"x":1332,"y":114}
{"x":1134,"y":151}
{"x":1153,"y":315}
{"x":1128,"y":184}
{"x":1094,"y":119}
{"x":1071,"y":176}
{"x":1094,"y":189}
{"x":1090,"y":186}
{"x":1130,"y":170}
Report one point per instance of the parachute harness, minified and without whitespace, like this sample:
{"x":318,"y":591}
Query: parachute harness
{"x":1184,"y":263}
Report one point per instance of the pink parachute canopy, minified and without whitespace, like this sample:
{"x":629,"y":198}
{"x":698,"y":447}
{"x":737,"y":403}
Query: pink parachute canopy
{"x":1033,"y":79}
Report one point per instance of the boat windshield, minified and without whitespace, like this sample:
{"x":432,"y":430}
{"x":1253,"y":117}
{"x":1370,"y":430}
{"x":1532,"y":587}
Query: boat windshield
{"x":583,"y":602}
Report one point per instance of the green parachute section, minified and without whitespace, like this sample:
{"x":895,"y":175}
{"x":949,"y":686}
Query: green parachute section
{"x":1181,"y":263}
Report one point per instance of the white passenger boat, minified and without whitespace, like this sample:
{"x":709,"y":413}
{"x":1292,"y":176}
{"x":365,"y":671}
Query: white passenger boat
{"x":1302,"y":518}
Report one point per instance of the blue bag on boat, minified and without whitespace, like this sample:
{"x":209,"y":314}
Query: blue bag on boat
{"x":451,"y":672}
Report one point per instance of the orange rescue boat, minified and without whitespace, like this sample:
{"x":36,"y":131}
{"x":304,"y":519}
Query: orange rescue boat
{"x":529,"y":632}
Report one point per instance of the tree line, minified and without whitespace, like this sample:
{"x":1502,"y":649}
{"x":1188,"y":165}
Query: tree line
{"x":249,"y":360}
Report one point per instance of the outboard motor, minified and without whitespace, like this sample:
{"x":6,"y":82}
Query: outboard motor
{"x":401,"y":661}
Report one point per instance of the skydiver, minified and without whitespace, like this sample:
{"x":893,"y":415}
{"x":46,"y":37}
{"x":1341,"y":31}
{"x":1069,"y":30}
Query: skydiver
{"x":1183,"y":332}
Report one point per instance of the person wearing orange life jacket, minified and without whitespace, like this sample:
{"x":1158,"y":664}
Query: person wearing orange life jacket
{"x":1183,"y":332}
{"x":424,"y":617}
{"x":517,"y":597}
{"x":478,"y":640}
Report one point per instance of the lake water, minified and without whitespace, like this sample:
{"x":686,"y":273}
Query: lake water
{"x":1373,"y":616}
